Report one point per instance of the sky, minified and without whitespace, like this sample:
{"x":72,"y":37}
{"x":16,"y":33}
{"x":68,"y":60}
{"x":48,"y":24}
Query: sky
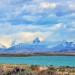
{"x":24,"y":20}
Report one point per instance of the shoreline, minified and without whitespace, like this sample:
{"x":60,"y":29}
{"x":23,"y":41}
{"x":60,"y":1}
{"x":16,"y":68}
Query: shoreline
{"x":25,"y":54}
{"x":3,"y":64}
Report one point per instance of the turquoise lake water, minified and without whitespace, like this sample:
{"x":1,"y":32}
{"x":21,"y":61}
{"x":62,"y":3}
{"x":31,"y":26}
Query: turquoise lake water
{"x":40,"y":60}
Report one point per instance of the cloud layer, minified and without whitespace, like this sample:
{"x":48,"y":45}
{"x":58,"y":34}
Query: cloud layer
{"x":25,"y":20}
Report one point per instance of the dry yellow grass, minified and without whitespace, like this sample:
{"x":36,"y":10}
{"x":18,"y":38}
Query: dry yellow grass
{"x":11,"y":69}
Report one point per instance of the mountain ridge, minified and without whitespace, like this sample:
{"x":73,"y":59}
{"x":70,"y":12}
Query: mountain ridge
{"x":39,"y":46}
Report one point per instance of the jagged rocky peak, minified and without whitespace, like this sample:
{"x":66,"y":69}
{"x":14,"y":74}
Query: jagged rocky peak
{"x":2,"y":46}
{"x":36,"y":40}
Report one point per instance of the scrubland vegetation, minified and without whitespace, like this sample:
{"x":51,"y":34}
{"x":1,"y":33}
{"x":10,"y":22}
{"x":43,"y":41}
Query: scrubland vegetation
{"x":19,"y":69}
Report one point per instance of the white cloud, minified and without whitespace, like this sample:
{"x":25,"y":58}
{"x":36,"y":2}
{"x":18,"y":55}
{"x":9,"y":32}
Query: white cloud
{"x":71,"y":29}
{"x":31,"y":8}
{"x":48,"y":5}
{"x":5,"y":40}
{"x":22,"y":33}
{"x":27,"y":33}
{"x":71,"y":4}
{"x":30,"y":18}
{"x":8,"y":28}
{"x":12,"y":9}
{"x":22,"y":37}
{"x":58,"y":26}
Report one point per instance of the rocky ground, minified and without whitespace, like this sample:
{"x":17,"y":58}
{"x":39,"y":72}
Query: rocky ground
{"x":19,"y":69}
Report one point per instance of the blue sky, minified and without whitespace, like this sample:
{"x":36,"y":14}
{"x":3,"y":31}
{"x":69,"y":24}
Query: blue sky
{"x":24,"y":20}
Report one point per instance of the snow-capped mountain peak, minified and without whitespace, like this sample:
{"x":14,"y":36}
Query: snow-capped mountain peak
{"x":36,"y":40}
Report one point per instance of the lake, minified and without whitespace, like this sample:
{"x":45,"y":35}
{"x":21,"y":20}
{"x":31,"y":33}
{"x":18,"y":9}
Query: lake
{"x":40,"y":60}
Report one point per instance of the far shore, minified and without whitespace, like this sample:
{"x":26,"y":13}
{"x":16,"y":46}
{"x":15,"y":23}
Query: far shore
{"x":22,"y":54}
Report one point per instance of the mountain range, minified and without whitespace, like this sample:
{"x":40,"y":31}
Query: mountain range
{"x":40,"y":46}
